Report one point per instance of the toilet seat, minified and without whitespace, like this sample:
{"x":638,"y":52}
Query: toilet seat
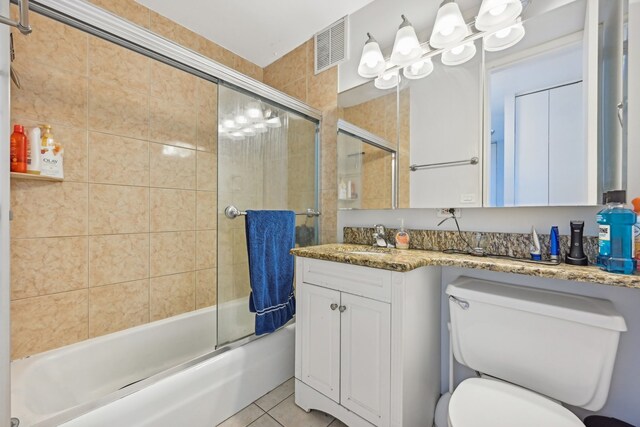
{"x":480,"y":402}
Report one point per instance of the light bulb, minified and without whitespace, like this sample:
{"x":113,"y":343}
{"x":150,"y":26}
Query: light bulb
{"x":457,"y":50}
{"x":498,"y":10}
{"x":241,"y":119}
{"x":254,"y":111}
{"x":503,"y":33}
{"x":370,"y":60}
{"x":416,"y":66}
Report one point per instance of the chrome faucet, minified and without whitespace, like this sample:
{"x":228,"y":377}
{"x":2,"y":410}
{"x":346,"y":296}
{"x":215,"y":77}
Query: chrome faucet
{"x":380,"y":236}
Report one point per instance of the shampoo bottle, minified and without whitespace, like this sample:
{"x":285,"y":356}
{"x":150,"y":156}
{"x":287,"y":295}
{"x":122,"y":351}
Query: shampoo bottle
{"x":18,"y":154}
{"x":636,"y":228}
{"x":402,"y":237}
{"x":33,"y":161}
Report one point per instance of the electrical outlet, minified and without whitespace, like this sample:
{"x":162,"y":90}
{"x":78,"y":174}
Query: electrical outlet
{"x":446,"y":212}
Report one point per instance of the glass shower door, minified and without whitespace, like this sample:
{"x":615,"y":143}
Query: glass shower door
{"x":266,"y":160}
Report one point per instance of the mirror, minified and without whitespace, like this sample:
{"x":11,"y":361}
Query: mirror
{"x":369,"y":124}
{"x":539,"y":123}
{"x":539,"y":149}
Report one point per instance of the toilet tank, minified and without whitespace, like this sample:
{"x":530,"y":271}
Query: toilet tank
{"x":560,"y":345}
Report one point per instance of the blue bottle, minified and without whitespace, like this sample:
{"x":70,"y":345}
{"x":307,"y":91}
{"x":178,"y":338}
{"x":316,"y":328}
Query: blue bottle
{"x":616,"y":235}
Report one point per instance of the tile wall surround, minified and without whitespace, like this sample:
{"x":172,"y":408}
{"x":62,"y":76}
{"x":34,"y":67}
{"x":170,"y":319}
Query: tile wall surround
{"x":130,"y":235}
{"x":511,"y":244}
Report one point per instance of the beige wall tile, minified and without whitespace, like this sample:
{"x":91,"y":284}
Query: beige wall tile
{"x":117,"y":110}
{"x":51,"y":42}
{"x":115,"y":64}
{"x":206,"y":210}
{"x":43,"y":323}
{"x":175,"y":32}
{"x":322,"y":89}
{"x":293,"y":63}
{"x":172,"y":295}
{"x":206,"y":249}
{"x":52,"y":96}
{"x":172,"y":167}
{"x":118,"y":160}
{"x":172,"y":252}
{"x":247,"y":68}
{"x":127,"y":9}
{"x":113,"y":308}
{"x":47,"y":209}
{"x":48,"y":266}
{"x":207,"y":171}
{"x":118,"y":258}
{"x":172,"y":210}
{"x":171,"y":83}
{"x":172,"y":122}
{"x":296,"y":88}
{"x":118,"y":209}
{"x":207,"y":116}
{"x":206,"y":288}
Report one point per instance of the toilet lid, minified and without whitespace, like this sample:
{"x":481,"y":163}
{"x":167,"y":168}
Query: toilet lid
{"x":480,"y":402}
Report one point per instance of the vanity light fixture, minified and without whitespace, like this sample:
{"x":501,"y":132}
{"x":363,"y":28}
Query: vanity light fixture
{"x":406,"y":48}
{"x":498,"y":24}
{"x":371,"y":62}
{"x":388,"y":80}
{"x":254,"y":111}
{"x":418,"y":69}
{"x":459,"y":54}
{"x":505,"y":38}
{"x":450,"y":27}
{"x":496,"y":13}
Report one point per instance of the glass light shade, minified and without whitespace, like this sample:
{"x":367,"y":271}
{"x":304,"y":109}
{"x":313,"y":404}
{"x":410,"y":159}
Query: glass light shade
{"x":241,"y":119}
{"x":505,"y":38}
{"x":459,"y":54}
{"x":237,"y":135}
{"x":273,"y":122}
{"x":418,"y":69}
{"x":450,"y":27}
{"x":249,"y":131}
{"x":388,"y":80}
{"x":254,"y":111}
{"x":495,"y":13}
{"x":406,"y":47}
{"x":371,"y":61}
{"x":228,"y":123}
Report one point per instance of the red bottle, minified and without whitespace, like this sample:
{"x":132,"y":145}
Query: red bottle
{"x":18,"y":150}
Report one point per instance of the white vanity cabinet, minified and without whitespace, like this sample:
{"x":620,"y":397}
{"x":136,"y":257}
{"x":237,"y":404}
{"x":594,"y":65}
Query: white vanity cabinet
{"x":367,"y":343}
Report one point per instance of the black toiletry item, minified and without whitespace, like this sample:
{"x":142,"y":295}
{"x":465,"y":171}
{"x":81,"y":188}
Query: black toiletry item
{"x":576,"y":254}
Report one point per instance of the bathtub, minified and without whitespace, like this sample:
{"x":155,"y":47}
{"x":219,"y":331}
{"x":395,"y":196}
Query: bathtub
{"x":164,"y":373}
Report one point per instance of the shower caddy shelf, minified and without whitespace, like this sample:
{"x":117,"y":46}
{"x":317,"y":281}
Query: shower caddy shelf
{"x":19,"y":175}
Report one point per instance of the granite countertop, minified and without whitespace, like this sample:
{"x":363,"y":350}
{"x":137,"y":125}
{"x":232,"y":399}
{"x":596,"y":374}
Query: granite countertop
{"x":407,"y":260}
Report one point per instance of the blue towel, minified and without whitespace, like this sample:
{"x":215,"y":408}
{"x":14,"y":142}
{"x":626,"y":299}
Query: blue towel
{"x":270,"y":237}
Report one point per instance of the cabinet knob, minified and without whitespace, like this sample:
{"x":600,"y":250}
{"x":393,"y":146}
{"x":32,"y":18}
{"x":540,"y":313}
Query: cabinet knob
{"x":342,"y":308}
{"x":333,"y":306}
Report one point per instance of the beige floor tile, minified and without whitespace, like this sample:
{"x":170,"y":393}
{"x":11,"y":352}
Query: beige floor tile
{"x":244,"y":417}
{"x":265,"y":421}
{"x":277,"y":395}
{"x":289,"y":414}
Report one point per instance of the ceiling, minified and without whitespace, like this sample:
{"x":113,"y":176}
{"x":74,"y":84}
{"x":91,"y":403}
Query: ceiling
{"x":257,"y":30}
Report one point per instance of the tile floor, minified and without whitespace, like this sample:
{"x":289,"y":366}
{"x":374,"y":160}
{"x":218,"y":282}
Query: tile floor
{"x":278,"y":409}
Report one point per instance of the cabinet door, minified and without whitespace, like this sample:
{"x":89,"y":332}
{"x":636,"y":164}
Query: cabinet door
{"x":366,"y":358}
{"x":320,"y":352}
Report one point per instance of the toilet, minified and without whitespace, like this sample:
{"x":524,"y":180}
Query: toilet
{"x":534,"y":350}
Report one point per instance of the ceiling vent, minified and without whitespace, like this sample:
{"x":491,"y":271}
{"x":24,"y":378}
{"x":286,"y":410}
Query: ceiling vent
{"x":331,"y":45}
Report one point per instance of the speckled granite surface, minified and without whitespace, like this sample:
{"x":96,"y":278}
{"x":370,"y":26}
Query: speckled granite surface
{"x":510,"y":244}
{"x":406,"y":260}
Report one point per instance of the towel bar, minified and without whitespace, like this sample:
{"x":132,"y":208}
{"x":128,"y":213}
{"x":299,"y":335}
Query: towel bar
{"x":471,"y":161}
{"x":232,"y":212}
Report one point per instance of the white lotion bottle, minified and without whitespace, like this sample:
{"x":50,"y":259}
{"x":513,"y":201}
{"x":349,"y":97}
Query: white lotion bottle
{"x":33,"y":139}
